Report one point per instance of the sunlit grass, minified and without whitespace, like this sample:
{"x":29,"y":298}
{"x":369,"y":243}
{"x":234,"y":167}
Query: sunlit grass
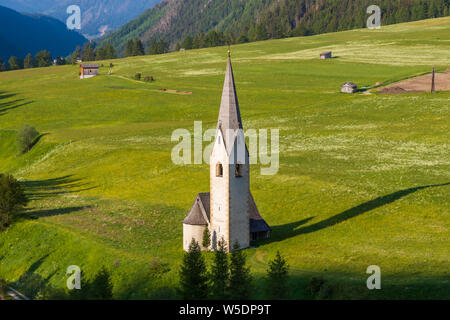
{"x":105,"y":191}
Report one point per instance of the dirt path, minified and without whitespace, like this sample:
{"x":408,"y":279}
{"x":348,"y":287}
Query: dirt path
{"x":419,"y":84}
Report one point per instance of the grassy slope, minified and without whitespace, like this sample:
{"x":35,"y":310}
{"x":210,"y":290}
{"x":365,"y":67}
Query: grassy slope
{"x":106,"y":192}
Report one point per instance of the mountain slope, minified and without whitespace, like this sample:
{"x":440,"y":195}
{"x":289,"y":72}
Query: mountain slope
{"x":262,"y":19}
{"x":21,"y":34}
{"x":97,"y":16}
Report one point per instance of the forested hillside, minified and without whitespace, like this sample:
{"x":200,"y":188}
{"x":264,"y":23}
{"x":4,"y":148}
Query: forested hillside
{"x":21,"y":34}
{"x":97,"y":16}
{"x":242,"y":21}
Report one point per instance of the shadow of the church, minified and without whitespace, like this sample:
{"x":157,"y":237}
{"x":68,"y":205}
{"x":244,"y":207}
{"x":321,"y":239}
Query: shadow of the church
{"x":290,"y":230}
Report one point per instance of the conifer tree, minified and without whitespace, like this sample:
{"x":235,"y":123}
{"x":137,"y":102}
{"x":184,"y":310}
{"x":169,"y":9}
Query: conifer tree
{"x":277,"y":278}
{"x":75,"y":55}
{"x":2,"y":65}
{"x":138,"y":48}
{"x":220,"y":272}
{"x":28,"y":62}
{"x":129,"y":49}
{"x":240,"y":279}
{"x":187,"y":43}
{"x":206,"y":238}
{"x":193,"y":274}
{"x":13,"y":63}
{"x":110,"y":52}
{"x":88,"y":53}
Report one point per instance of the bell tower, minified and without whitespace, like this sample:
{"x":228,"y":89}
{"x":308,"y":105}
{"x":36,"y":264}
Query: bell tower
{"x":229,"y":173}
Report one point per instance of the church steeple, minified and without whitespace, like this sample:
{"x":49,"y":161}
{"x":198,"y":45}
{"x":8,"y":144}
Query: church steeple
{"x":229,"y":115}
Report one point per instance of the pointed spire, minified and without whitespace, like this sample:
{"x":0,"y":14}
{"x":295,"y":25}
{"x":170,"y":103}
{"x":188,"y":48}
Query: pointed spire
{"x":229,"y":115}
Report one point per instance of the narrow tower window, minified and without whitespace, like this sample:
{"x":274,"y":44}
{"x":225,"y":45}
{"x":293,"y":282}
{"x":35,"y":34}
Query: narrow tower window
{"x":219,"y":170}
{"x":238,"y":171}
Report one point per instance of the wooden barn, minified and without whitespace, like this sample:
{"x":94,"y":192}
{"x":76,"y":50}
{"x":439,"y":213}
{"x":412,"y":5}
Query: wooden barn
{"x":88,"y":70}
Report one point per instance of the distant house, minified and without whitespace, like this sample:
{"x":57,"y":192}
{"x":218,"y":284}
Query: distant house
{"x":88,"y":70}
{"x":349,"y":87}
{"x":326,"y":55}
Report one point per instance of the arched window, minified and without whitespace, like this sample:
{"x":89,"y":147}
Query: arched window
{"x":238,"y":171}
{"x":219,"y":170}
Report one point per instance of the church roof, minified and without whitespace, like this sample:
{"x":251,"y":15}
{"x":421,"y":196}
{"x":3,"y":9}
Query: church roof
{"x":229,"y":114}
{"x":200,"y":214}
{"x":257,"y":223}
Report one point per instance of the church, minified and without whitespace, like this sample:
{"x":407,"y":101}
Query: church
{"x":228,"y":210}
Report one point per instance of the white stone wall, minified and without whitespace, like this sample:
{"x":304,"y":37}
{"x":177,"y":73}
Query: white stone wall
{"x":229,"y":197}
{"x":219,"y":192}
{"x":190,"y":232}
{"x":238,"y":199}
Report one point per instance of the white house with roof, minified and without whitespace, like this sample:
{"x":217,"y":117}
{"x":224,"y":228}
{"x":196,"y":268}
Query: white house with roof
{"x":228,"y":210}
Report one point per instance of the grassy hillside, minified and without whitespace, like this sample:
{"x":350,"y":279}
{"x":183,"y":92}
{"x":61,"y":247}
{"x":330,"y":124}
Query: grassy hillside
{"x":363,"y":179}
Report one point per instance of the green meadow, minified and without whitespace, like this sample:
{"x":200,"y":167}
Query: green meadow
{"x":363,"y":178}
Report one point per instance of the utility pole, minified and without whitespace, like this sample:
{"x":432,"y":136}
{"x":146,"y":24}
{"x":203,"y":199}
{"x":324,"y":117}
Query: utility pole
{"x":433,"y":88}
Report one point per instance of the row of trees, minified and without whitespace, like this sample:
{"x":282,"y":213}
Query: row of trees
{"x":229,"y":277}
{"x":291,"y":18}
{"x":41,"y":59}
{"x":89,"y":52}
{"x":136,"y":47}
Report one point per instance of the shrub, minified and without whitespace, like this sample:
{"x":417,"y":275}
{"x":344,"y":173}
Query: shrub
{"x":3,"y":289}
{"x":319,"y":288}
{"x":137,"y":76}
{"x":12,"y":199}
{"x":26,"y":138}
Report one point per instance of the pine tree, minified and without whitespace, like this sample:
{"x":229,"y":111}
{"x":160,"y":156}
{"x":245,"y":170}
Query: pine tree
{"x":2,"y":65}
{"x":138,"y":48}
{"x":187,"y":43}
{"x":88,"y":53}
{"x":193,"y":274}
{"x":13,"y":63}
{"x":206,"y":238}
{"x":75,"y":56}
{"x":261,"y":32}
{"x":110,"y":52}
{"x":43,"y":59}
{"x":220,"y":272}
{"x":277,"y":277}
{"x":240,"y":279}
{"x":153,"y":47}
{"x":100,"y":288}
{"x":101,"y":54}
{"x":129,"y":49}
{"x":28,"y":62}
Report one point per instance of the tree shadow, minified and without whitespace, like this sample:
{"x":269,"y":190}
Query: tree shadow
{"x":11,"y":105}
{"x":30,"y":283}
{"x":36,"y":214}
{"x":41,"y":189}
{"x":39,"y":137}
{"x":286,"y":231}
